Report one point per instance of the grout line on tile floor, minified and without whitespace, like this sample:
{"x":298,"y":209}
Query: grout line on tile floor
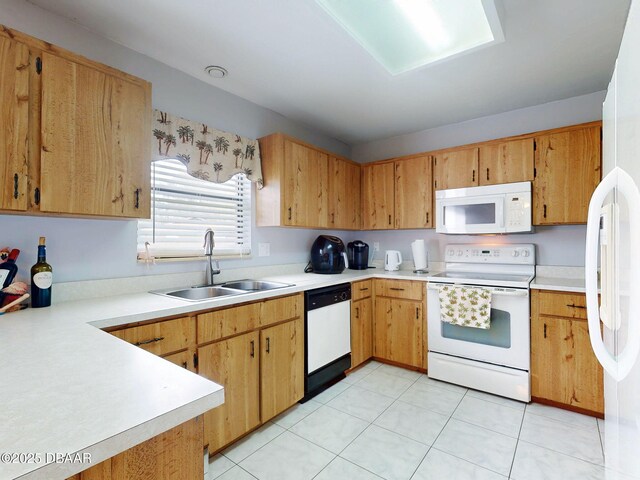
{"x":515,"y":450}
{"x":600,"y":433}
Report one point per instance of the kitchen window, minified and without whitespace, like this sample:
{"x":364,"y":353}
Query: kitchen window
{"x":184,"y":207}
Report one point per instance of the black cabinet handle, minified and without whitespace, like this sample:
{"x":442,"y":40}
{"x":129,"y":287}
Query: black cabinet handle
{"x":487,"y":174}
{"x":184,"y":365}
{"x":289,"y":213}
{"x":358,"y":312}
{"x":253,"y":350}
{"x":195,"y":361}
{"x":389,"y":219}
{"x":545,"y":330}
{"x":427,"y":217}
{"x":36,"y":196}
{"x":544,"y":210}
{"x":151,"y":340}
{"x":473,"y":177}
{"x":15,"y":185}
{"x":364,"y":289}
{"x":417,"y":313}
{"x":137,"y":197}
{"x":268,"y":345}
{"x":397,"y":289}
{"x":575,"y":306}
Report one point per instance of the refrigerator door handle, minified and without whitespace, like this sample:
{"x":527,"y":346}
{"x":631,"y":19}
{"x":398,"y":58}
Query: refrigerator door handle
{"x":618,"y":368}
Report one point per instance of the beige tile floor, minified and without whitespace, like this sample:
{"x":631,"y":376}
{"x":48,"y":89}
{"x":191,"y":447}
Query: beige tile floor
{"x":387,"y":422}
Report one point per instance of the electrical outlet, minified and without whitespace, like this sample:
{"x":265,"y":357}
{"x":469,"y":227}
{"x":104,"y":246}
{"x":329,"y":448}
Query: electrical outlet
{"x":376,"y":246}
{"x":264,"y":249}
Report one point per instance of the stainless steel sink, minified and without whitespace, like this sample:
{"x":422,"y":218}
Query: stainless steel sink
{"x":255,"y":285}
{"x":195,"y":294}
{"x":238,"y":287}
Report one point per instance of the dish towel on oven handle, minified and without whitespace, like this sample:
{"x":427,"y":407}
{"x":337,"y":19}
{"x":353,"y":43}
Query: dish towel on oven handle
{"x":465,"y":306}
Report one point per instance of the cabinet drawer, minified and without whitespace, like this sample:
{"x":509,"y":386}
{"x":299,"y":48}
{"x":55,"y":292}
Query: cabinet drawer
{"x":279,"y":309}
{"x":360,"y":290}
{"x":227,"y":322}
{"x":400,"y":289}
{"x":183,"y":359}
{"x":161,"y":337}
{"x":559,"y":304}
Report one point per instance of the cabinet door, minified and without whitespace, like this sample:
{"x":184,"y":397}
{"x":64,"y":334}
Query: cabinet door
{"x":361,"y":331}
{"x":305,"y":186}
{"x":14,"y":117}
{"x":567,"y":166}
{"x":378,"y":196}
{"x":563,"y":366}
{"x":506,"y":162}
{"x":281,"y":367}
{"x":414,"y":193}
{"x":234,"y":364}
{"x":95,"y":157}
{"x":344,"y":194}
{"x":456,"y":169}
{"x":398,"y":331}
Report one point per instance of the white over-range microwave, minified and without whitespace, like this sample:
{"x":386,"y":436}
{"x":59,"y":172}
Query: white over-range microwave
{"x":504,"y":208}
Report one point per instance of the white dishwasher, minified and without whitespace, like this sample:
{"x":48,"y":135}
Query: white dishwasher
{"x":327,"y":336}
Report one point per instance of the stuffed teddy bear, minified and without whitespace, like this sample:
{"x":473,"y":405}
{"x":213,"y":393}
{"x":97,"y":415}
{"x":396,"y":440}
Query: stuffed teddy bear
{"x":4,"y":254}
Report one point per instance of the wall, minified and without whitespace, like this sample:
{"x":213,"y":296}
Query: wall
{"x":91,"y":249}
{"x":559,"y":245}
{"x":581,"y":109}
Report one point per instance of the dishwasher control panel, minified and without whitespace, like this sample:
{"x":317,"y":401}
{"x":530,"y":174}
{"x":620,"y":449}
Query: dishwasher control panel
{"x":322,"y":297}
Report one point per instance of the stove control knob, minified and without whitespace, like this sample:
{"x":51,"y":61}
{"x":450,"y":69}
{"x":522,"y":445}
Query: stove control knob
{"x":525,"y":253}
{"x":343,"y":296}
{"x":459,"y":253}
{"x":515,"y":253}
{"x":450,"y":253}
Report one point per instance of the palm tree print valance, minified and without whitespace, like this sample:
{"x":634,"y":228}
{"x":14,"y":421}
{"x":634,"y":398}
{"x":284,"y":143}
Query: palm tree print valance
{"x":208,"y":154}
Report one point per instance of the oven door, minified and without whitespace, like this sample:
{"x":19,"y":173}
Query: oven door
{"x":480,"y":214}
{"x":505,"y":343}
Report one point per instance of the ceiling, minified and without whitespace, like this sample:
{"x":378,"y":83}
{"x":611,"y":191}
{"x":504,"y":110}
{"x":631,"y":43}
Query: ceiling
{"x":291,"y":57}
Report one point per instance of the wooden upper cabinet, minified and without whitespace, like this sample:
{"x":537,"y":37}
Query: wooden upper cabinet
{"x":305,"y":186}
{"x":506,"y":162}
{"x":14,"y":123}
{"x":94,"y":158}
{"x":306,"y":198}
{"x":455,"y":169}
{"x":378,"y":186}
{"x":414,"y":193}
{"x":568,"y":169}
{"x":344,"y":194}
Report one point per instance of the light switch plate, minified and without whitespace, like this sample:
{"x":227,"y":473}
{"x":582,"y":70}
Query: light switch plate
{"x":264,"y":249}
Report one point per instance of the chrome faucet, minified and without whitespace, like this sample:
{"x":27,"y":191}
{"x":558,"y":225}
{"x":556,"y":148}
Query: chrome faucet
{"x":209,"y":243}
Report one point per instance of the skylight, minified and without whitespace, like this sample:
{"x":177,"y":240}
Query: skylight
{"x":403,"y":35}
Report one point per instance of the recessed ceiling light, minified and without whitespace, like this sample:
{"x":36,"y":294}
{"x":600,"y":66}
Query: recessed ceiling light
{"x":216,"y":71}
{"x":406,"y":34}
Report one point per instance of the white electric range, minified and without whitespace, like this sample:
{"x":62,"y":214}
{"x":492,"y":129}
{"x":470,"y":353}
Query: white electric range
{"x":495,"y":360}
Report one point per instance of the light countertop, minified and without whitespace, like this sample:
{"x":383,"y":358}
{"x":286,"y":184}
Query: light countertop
{"x":559,"y":284}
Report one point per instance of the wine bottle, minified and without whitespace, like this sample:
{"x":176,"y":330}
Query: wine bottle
{"x":8,"y":269}
{"x":41,"y":278}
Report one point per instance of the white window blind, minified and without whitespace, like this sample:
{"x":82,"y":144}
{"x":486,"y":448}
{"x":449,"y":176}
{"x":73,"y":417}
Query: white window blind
{"x":184,"y":207}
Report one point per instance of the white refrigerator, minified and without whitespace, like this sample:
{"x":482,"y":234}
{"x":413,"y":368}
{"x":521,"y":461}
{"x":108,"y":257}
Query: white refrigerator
{"x":613,"y":241}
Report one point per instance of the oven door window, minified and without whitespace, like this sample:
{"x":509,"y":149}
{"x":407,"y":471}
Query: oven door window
{"x":499,"y":335}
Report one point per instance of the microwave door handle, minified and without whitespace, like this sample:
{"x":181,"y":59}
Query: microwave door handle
{"x":500,"y":211}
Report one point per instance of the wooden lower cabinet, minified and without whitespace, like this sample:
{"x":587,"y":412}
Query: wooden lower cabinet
{"x":564,"y":369}
{"x":261,"y":370}
{"x":399,"y":331}
{"x":399,"y":325}
{"x":234,"y":364}
{"x":173,"y":455}
{"x":361,"y":331}
{"x":281,"y":367}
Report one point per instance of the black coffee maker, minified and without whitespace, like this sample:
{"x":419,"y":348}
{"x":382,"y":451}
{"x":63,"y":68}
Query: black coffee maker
{"x":358,"y":255}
